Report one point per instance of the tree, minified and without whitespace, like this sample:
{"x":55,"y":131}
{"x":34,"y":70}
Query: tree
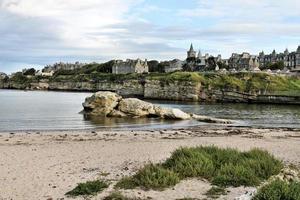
{"x":29,"y":72}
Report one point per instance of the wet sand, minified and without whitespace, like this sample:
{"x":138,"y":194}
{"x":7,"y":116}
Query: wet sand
{"x":46,"y":165}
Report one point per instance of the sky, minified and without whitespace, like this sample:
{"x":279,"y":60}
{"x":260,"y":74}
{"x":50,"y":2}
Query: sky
{"x":34,"y":33}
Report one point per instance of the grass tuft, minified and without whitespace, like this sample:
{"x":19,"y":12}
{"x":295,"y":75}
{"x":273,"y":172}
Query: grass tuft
{"x":88,"y":188}
{"x":278,"y":190}
{"x":150,"y":177}
{"x":223,"y":167}
{"x":215,"y":192}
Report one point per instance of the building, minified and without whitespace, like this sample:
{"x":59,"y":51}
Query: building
{"x":291,"y":60}
{"x":199,"y":62}
{"x":130,"y":66}
{"x":243,"y":61}
{"x":173,"y":65}
{"x":191,"y":54}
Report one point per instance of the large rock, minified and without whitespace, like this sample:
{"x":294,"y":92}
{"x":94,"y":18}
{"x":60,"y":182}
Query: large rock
{"x":137,"y":108}
{"x":101,"y":103}
{"x":169,"y":113}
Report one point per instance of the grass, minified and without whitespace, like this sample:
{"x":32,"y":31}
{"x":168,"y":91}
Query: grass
{"x":279,"y":190}
{"x":222,"y":167}
{"x":215,"y":192}
{"x":88,"y":188}
{"x":150,"y":177}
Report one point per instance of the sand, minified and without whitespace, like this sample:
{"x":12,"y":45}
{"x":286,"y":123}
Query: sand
{"x":46,"y":165}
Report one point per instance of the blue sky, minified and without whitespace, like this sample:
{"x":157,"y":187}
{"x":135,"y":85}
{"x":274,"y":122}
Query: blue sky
{"x":35,"y":33}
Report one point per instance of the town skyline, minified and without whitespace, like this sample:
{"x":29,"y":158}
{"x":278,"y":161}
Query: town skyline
{"x":54,"y":31}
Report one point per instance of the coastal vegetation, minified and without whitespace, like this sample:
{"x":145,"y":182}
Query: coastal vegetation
{"x":215,"y":191}
{"x":279,"y":189}
{"x":88,"y":188}
{"x":118,"y":196}
{"x":222,"y":167}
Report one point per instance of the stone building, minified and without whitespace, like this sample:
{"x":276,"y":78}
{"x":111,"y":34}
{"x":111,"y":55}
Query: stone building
{"x":173,"y":65}
{"x":243,"y":61}
{"x":130,"y":66}
{"x":191,"y":54}
{"x":291,"y":60}
{"x":199,"y":62}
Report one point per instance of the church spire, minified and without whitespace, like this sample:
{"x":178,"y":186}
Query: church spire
{"x":199,"y":54}
{"x":191,"y":48}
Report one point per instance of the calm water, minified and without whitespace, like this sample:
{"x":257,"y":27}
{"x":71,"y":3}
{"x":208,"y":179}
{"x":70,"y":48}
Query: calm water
{"x":39,"y":110}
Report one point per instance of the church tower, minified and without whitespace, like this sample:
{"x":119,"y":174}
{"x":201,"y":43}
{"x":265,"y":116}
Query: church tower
{"x":191,"y":53}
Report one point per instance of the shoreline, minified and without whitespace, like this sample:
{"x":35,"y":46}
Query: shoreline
{"x":49,"y":164}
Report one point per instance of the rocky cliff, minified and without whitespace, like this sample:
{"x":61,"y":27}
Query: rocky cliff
{"x":244,"y":88}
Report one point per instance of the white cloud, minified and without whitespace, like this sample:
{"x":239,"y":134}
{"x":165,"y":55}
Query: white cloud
{"x":43,"y":31}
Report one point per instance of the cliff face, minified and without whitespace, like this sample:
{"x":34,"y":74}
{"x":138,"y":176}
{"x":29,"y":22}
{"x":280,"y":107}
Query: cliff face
{"x":180,"y":87}
{"x":177,"y":90}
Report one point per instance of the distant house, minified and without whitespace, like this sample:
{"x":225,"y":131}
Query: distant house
{"x":51,"y":73}
{"x":243,"y":61}
{"x":173,"y":65}
{"x":291,"y":60}
{"x":130,"y":66}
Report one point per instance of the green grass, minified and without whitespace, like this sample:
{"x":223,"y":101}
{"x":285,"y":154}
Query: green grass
{"x":222,"y":167}
{"x":215,"y":192}
{"x":88,"y":188}
{"x":279,"y":190}
{"x":150,"y":177}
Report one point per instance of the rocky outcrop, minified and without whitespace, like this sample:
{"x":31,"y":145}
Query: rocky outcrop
{"x":136,"y":107}
{"x":109,"y":104}
{"x":101,"y":103}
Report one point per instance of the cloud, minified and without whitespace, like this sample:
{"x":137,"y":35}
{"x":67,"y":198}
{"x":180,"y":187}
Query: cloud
{"x":35,"y":32}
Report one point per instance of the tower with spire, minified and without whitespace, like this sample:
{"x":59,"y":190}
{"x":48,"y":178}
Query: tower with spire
{"x":191,"y":53}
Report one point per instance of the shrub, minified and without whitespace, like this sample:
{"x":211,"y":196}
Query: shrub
{"x":88,"y":188}
{"x":279,"y":190}
{"x":151,"y":177}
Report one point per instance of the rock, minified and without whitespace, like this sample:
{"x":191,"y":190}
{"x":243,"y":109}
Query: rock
{"x":137,"y":108}
{"x":101,"y":103}
{"x":169,"y":113}
{"x":207,"y":119}
{"x":117,"y":114}
{"x":288,"y":174}
{"x":109,"y":104}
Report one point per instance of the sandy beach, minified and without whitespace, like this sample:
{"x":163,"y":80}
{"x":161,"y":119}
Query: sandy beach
{"x":46,"y":165}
